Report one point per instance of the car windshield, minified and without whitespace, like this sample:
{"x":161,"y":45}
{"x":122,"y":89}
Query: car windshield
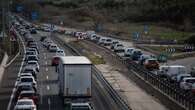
{"x":26,"y":80}
{"x":27,"y":94}
{"x":190,"y":80}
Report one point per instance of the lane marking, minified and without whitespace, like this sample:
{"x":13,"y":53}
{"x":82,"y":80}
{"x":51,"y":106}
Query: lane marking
{"x":47,"y":77}
{"x":45,"y":57}
{"x":49,"y":103}
{"x":46,"y":69}
{"x":46,"y":63}
{"x":48,"y":88}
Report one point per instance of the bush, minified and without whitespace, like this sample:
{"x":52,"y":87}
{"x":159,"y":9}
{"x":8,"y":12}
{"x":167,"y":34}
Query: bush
{"x":191,"y":40}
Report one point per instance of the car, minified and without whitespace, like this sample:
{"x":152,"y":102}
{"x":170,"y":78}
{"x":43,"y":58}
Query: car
{"x":113,"y":44}
{"x":108,"y":42}
{"x":60,"y":52}
{"x":34,"y":64}
{"x":32,"y":49}
{"x":25,"y":104}
{"x":32,"y":58}
{"x":119,"y":48}
{"x":29,"y":94}
{"x":180,"y":77}
{"x":101,"y":41}
{"x":143,"y":57}
{"x":33,"y":31}
{"x":151,"y":64}
{"x":30,"y":53}
{"x":53,"y":48}
{"x":30,"y":69}
{"x":55,"y":60}
{"x":25,"y":74}
{"x":136,"y":54}
{"x":186,"y":83}
{"x":28,"y":79}
{"x":128,"y":51}
{"x":24,"y":86}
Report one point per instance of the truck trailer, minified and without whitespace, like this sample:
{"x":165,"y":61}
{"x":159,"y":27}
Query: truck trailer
{"x":74,"y":78}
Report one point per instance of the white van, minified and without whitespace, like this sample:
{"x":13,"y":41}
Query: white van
{"x":172,"y":70}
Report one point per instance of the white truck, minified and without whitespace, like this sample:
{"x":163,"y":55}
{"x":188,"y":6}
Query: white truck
{"x":74,"y":78}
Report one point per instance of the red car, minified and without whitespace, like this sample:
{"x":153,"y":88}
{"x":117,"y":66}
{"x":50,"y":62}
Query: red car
{"x":29,"y":95}
{"x":55,"y":61}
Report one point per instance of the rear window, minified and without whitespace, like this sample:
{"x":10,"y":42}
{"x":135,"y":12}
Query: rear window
{"x":26,"y":79}
{"x":190,"y":81}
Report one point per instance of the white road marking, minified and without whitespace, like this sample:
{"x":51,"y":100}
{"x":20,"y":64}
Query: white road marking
{"x":49,"y":103}
{"x":46,"y":63}
{"x":46,"y":69}
{"x":45,"y":57}
{"x":47,"y":77}
{"x":48,"y":88}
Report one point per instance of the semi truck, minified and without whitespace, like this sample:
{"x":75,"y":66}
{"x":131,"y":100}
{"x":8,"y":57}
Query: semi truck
{"x":74,"y":75}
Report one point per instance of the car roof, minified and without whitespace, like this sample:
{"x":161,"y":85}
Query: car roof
{"x":24,"y":92}
{"x":75,"y":60}
{"x":189,"y":78}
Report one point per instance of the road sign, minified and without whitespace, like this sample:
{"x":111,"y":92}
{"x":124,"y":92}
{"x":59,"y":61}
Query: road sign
{"x":136,"y":35}
{"x":19,"y":8}
{"x":170,"y":50}
{"x":162,"y":57}
{"x":34,"y":15}
{"x":146,"y":29}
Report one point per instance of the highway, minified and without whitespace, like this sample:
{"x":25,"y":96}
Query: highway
{"x":48,"y":83}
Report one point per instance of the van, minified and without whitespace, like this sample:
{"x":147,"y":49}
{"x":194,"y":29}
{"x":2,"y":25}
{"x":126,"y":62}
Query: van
{"x":171,"y":71}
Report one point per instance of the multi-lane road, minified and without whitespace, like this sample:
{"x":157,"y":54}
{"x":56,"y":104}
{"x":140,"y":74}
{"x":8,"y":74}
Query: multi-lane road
{"x":48,"y":83}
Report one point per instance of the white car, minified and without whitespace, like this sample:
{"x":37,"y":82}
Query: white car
{"x":187,"y":83}
{"x":108,"y":42}
{"x":128,"y":52}
{"x":28,"y":79}
{"x":25,"y":104}
{"x":34,"y":64}
{"x":60,"y":52}
{"x":101,"y":41}
{"x":119,"y":48}
{"x":53,"y":48}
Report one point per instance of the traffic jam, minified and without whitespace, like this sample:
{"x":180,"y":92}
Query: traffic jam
{"x":176,"y":74}
{"x":26,"y":95}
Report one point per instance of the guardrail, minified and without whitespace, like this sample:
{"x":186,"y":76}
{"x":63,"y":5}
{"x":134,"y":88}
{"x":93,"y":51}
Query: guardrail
{"x":115,"y":96}
{"x":165,"y":88}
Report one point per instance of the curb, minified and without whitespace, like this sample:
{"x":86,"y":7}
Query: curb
{"x":3,"y":65}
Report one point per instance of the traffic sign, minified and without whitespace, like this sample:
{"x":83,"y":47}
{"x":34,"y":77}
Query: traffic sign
{"x":136,"y":35}
{"x":34,"y":15}
{"x":146,"y":29}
